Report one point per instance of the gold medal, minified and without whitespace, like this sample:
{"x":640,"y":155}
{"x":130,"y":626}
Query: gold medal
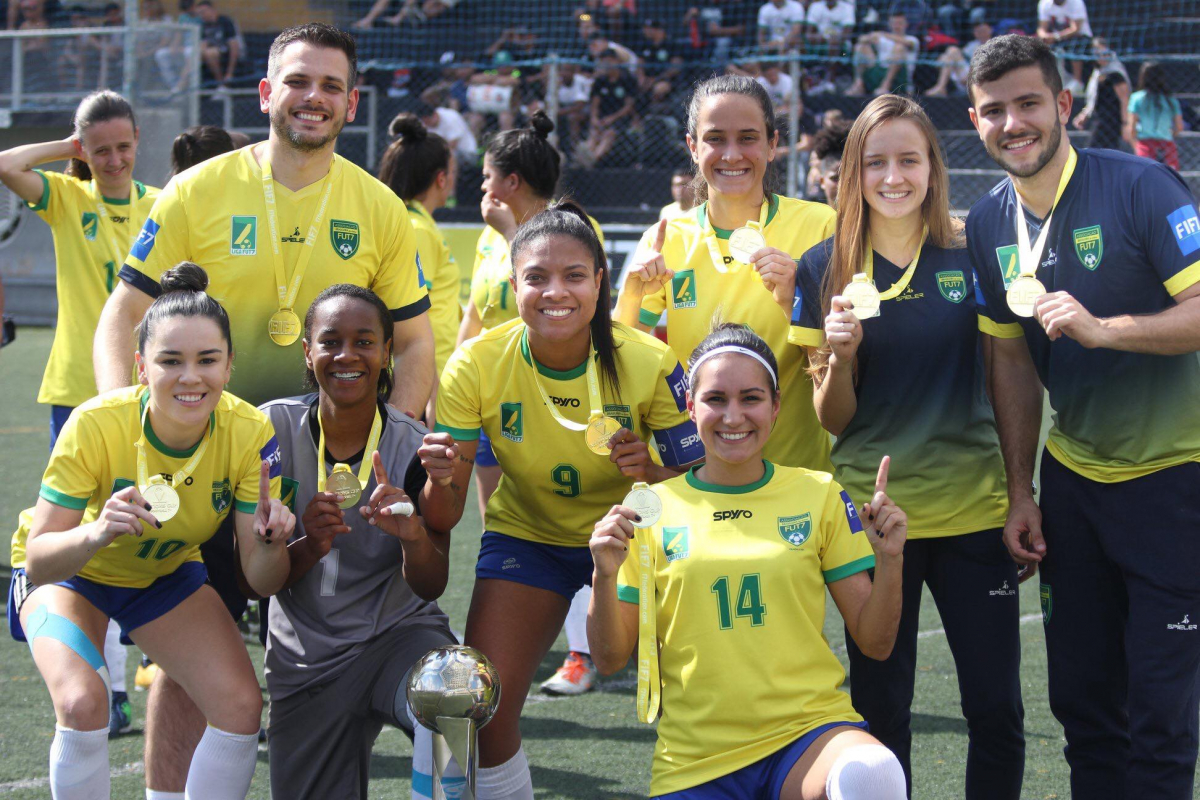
{"x":163,"y":500}
{"x":1023,"y":293}
{"x":863,"y":294}
{"x":599,"y":433}
{"x":745,"y":242}
{"x":284,"y":327}
{"x":645,"y":502}
{"x":344,"y":482}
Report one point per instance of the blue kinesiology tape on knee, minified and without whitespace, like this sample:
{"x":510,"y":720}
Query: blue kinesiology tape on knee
{"x":53,"y":626}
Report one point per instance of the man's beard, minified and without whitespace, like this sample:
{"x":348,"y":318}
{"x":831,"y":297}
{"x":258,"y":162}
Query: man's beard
{"x":1053,"y":142}
{"x":299,"y":141}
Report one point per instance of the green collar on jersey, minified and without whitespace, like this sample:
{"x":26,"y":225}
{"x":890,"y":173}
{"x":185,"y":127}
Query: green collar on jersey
{"x":722,"y":233}
{"x":158,"y":443}
{"x":138,"y":186}
{"x":557,"y":375}
{"x":418,"y":209}
{"x":704,"y":486}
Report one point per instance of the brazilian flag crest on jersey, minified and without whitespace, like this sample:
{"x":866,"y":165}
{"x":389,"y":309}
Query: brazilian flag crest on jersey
{"x":512,"y":426}
{"x":795,"y":530}
{"x":344,"y":236}
{"x":1010,"y":264}
{"x":952,"y":285}
{"x":222,"y":496}
{"x":90,"y":224}
{"x":1089,"y":246}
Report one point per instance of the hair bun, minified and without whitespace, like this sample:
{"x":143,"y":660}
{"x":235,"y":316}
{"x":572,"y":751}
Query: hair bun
{"x":184,"y":277}
{"x":541,"y":123}
{"x":408,"y":127}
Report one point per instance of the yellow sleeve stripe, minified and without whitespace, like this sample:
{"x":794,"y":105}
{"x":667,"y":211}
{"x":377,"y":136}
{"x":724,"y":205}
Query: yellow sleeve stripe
{"x":1005,"y":330}
{"x":853,"y":568}
{"x":805,"y":337}
{"x":60,"y":499}
{"x":40,"y":205}
{"x":461,"y":434}
{"x":1183,"y":279}
{"x":628,"y":594}
{"x":245,"y":508}
{"x":648,"y":317}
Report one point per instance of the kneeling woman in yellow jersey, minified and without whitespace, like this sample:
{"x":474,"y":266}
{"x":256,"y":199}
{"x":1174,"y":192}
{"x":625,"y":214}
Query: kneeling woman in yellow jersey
{"x":570,"y":401}
{"x":729,"y":564}
{"x":139,"y":478}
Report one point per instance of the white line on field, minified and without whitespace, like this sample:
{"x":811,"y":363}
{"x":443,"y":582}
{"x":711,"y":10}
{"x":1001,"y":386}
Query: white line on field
{"x":36,"y":783}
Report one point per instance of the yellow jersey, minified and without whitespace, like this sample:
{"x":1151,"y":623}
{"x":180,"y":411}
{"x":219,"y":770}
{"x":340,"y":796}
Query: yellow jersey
{"x":440,"y":273}
{"x":96,"y":456}
{"x":215,"y":214}
{"x":88,"y":252}
{"x":699,"y":293}
{"x":554,"y":488}
{"x":739,"y":576}
{"x":491,"y":290}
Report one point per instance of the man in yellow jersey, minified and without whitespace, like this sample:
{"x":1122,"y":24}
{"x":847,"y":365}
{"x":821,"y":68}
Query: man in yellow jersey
{"x":274,"y":225}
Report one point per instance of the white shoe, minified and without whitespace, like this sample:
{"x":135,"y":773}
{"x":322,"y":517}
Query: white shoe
{"x":576,"y":676}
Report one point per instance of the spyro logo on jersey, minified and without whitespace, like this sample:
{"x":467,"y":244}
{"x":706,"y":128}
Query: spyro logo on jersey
{"x":679,"y":445}
{"x":1089,"y":246}
{"x":345,"y":238}
{"x":90,"y":223}
{"x":270,"y":453}
{"x":675,"y":543}
{"x":683,"y":289}
{"x":732,"y":514}
{"x":856,"y":525}
{"x":1186,"y":227}
{"x":795,"y":530}
{"x":677,"y":382}
{"x":222,"y":495}
{"x":952,"y":285}
{"x":243,"y":235}
{"x":512,"y":426}
{"x":565,"y":402}
{"x":144,"y":243}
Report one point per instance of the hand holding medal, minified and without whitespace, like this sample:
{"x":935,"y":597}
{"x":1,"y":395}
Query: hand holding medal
{"x":630,"y":454}
{"x":123,"y":515}
{"x":273,"y":521}
{"x":610,"y":540}
{"x":843,"y":330}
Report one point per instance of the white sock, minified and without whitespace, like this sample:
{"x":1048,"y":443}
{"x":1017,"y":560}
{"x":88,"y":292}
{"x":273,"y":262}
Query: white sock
{"x":152,"y":794}
{"x":222,"y":766}
{"x":576,"y":625}
{"x":79,"y":764}
{"x":115,"y":656}
{"x":865,"y":772}
{"x":509,"y":781}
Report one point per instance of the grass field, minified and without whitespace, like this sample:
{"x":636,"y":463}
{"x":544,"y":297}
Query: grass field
{"x":581,"y":748}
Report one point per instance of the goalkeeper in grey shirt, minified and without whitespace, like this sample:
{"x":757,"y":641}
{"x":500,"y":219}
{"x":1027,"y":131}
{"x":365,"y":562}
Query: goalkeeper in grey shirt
{"x":358,"y":608}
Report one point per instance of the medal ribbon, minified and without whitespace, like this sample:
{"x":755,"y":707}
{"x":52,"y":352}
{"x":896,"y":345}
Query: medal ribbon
{"x":364,"y":469}
{"x":105,"y":222}
{"x":595,"y":401}
{"x":649,"y":682}
{"x":1030,"y":257}
{"x":143,"y":472}
{"x":900,"y":285}
{"x":710,"y":235}
{"x":289,"y":289}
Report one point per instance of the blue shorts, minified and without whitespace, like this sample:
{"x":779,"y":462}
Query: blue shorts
{"x":762,"y":780}
{"x":484,"y":457}
{"x":547,"y":566}
{"x":131,"y":608}
{"x":58,"y":418}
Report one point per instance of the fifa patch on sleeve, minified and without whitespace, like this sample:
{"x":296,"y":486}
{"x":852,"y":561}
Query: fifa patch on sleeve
{"x":1186,"y":228}
{"x":270,"y":454}
{"x":677,"y":382}
{"x":145,"y":241}
{"x":421,"y":273}
{"x":797,"y":303}
{"x":679,"y":445}
{"x":856,"y":525}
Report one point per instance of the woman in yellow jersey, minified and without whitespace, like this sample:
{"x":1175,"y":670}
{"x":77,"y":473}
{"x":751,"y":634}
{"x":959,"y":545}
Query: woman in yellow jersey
{"x":420,"y":168}
{"x":138,"y":480}
{"x":719,"y":578}
{"x":550,"y":388}
{"x":733,"y":255}
{"x":95,"y":210}
{"x":910,"y":381}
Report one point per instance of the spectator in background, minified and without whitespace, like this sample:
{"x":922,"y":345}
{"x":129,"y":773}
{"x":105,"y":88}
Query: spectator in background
{"x":1155,"y":117}
{"x":1063,"y":24}
{"x":519,"y":42}
{"x":659,"y":60}
{"x":780,"y":24}
{"x":41,"y":64}
{"x":1107,"y":99}
{"x":613,"y":93}
{"x":825,"y":162}
{"x":956,"y":61}
{"x":574,"y":97}
{"x":220,"y":43}
{"x":107,"y":50}
{"x":494,"y":95}
{"x":884,"y":60}
{"x":411,"y":11}
{"x":828,"y":24}
{"x":598,"y":44}
{"x":451,"y":126}
{"x":683,"y":195}
{"x":716,"y":26}
{"x":779,"y":86}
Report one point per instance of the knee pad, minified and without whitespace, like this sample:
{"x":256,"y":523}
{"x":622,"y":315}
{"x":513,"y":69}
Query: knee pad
{"x":866,"y":772}
{"x":43,"y":623}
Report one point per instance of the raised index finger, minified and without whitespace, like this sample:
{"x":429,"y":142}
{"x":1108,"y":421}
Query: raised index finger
{"x":381,"y":476}
{"x":264,"y":482}
{"x":881,"y":478}
{"x":660,"y":236}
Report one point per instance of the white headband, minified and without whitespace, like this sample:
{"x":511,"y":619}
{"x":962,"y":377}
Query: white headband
{"x":732,"y":348}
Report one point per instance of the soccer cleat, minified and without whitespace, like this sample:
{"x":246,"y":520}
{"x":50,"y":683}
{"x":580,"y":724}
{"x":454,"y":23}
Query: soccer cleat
{"x":120,"y":715}
{"x":576,"y":676}
{"x":145,"y":675}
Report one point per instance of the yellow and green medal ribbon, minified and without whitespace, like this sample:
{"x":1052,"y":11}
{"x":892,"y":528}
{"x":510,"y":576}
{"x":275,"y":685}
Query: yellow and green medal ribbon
{"x":341,"y":479}
{"x":160,"y":494}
